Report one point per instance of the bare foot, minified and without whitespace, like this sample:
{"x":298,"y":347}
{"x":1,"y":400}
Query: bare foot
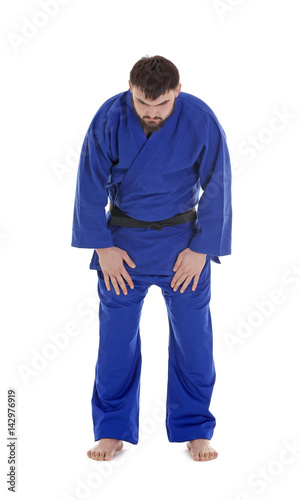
{"x":201,"y":450}
{"x":105,"y":449}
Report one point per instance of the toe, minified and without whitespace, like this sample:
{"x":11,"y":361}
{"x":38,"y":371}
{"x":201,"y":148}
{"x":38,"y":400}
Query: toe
{"x":213,"y":453}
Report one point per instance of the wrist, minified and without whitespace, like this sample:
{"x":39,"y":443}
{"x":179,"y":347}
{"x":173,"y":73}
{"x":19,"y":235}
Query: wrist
{"x":98,"y":250}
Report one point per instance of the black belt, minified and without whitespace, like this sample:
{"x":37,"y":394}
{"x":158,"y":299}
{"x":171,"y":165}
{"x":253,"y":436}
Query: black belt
{"x":119,"y":218}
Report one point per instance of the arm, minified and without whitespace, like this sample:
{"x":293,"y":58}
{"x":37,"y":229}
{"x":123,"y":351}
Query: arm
{"x":213,"y":235}
{"x":89,"y":219}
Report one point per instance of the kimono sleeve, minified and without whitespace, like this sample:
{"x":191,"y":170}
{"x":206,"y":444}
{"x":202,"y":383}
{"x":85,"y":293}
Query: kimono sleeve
{"x":214,"y":213}
{"x":90,"y":228}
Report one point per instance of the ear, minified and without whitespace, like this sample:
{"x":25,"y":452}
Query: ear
{"x":178,"y":89}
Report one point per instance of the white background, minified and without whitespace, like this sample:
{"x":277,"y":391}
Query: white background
{"x":242,"y":59}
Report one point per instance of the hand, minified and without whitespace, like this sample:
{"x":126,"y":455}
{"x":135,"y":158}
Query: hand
{"x":111,"y":262}
{"x":189,"y":264}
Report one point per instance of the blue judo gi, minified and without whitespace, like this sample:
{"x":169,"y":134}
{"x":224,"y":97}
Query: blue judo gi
{"x":154,"y":179}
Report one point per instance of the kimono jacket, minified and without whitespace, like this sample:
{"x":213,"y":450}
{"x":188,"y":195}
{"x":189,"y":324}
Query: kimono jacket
{"x":154,"y":179}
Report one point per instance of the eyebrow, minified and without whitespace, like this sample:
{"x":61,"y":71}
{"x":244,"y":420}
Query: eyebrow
{"x":140,"y":100}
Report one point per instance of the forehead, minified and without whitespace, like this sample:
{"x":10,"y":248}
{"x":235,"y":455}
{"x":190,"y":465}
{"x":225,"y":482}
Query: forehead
{"x":139,"y":94}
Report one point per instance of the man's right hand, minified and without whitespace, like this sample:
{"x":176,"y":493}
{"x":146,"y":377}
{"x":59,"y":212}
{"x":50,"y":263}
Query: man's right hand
{"x":111,"y":262}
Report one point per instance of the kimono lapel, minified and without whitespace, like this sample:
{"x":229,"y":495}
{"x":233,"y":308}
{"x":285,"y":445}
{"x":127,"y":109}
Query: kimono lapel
{"x":145,"y":146}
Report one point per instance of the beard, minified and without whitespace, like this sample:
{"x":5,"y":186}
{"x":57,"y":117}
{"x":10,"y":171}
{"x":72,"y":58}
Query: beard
{"x":157,"y":124}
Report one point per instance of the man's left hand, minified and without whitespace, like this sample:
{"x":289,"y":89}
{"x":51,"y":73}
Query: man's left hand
{"x":188,"y":265}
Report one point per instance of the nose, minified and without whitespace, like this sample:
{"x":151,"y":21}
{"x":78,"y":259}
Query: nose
{"x":151,"y":113}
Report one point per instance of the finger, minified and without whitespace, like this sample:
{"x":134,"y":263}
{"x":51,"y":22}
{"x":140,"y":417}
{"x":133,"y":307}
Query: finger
{"x":195,"y":282}
{"x":179,"y":281}
{"x":177,"y":263}
{"x":127,"y":277}
{"x":106,"y":281}
{"x":115,"y":284}
{"x":128,"y":260}
{"x":186,"y":283}
{"x":122,"y":284}
{"x":176,"y":277}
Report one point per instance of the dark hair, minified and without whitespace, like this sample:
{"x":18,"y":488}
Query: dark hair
{"x":154,"y":76}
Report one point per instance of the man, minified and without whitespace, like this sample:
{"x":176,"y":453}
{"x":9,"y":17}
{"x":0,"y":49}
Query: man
{"x":149,"y":150}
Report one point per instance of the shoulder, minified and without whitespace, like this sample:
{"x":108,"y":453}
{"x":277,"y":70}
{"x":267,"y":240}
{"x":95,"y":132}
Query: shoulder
{"x":195,"y":106}
{"x":110,"y":110}
{"x":198,"y":110}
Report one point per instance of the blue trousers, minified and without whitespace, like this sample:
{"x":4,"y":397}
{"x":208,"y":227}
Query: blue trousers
{"x":191,"y":369}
